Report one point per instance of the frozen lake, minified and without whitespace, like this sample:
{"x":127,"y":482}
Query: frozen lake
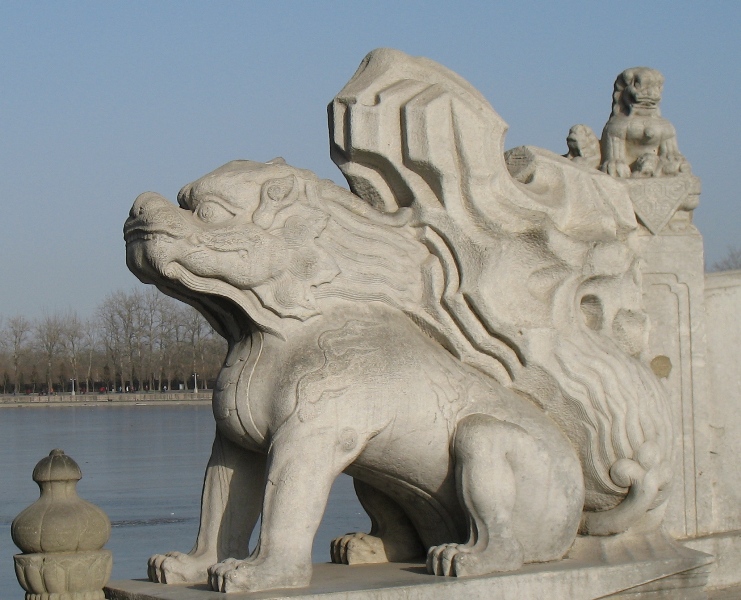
{"x":143,"y":465}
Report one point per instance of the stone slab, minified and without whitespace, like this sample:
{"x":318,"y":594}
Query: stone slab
{"x":569,"y":579}
{"x":726,"y":548}
{"x":673,"y":284}
{"x":722,"y":306}
{"x":733,"y":593}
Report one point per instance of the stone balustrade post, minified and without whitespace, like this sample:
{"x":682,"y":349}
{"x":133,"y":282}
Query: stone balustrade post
{"x":61,"y":537}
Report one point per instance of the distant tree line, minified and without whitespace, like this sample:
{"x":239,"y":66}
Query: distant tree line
{"x":136,"y":341}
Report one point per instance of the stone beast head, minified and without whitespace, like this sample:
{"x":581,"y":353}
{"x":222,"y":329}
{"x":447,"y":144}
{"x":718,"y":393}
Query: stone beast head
{"x":245,"y":233}
{"x":265,"y":244}
{"x":637,"y":87}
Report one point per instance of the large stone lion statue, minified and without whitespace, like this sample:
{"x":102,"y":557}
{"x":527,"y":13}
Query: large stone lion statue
{"x":467,"y":345}
{"x":637,"y":141}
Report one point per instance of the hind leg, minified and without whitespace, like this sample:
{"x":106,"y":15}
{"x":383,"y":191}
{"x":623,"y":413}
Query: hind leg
{"x":392,"y":537}
{"x":487,"y":452}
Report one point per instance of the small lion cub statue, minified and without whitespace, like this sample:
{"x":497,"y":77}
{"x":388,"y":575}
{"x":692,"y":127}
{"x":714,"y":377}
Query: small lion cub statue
{"x":637,"y":141}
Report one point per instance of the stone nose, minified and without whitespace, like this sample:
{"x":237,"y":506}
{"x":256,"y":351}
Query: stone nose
{"x":146,"y":203}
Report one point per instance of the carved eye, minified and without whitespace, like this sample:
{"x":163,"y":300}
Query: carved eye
{"x":212,"y":212}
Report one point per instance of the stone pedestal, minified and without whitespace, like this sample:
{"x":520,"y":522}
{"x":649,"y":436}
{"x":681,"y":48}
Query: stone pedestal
{"x":596,"y":568}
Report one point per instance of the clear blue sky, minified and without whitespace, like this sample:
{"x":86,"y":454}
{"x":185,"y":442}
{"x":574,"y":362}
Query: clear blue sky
{"x":100,"y":101}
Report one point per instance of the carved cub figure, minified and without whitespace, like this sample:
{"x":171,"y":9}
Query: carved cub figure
{"x":637,"y":141}
{"x":326,"y":373}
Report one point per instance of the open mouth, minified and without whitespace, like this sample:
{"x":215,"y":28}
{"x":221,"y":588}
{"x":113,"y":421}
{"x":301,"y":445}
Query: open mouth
{"x":216,"y":300}
{"x":137,"y":234}
{"x":223,"y":314}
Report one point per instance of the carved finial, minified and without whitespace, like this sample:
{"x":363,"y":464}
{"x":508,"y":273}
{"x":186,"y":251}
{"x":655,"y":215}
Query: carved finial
{"x":61,"y":537}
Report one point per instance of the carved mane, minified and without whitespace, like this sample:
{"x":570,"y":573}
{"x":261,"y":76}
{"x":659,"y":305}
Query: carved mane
{"x":322,"y":227}
{"x":620,"y":100}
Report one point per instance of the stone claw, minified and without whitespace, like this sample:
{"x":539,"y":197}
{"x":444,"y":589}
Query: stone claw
{"x":358,"y":548}
{"x":248,"y":575}
{"x":463,"y":560}
{"x":177,"y":567}
{"x":616,"y":168}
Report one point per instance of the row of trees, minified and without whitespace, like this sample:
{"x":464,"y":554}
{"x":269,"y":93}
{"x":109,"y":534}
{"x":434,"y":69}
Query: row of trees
{"x":137,"y":340}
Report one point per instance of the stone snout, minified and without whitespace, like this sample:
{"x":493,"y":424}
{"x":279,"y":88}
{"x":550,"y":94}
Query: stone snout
{"x":165,"y":241}
{"x":61,"y":537}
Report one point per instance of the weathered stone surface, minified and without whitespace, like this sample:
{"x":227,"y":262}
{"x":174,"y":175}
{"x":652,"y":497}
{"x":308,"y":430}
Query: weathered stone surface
{"x":723,"y":307}
{"x":673,"y":281}
{"x":464,"y":334}
{"x":725,"y":548}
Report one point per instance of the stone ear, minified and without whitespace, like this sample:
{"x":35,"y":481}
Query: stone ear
{"x":278,"y":191}
{"x":275,"y":195}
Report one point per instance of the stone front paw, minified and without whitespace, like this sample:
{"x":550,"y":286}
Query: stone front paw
{"x":616,"y":168}
{"x":234,"y":575}
{"x":363,"y":548}
{"x":462,"y":560}
{"x":177,"y":567}
{"x":358,"y":549}
{"x":440,"y":558}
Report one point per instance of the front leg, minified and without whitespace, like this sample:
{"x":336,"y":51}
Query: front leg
{"x":230,"y":506}
{"x":614,"y":159}
{"x":303,"y":462}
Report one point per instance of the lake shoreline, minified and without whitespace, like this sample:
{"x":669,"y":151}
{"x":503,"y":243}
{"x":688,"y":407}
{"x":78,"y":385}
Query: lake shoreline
{"x":143,"y":399}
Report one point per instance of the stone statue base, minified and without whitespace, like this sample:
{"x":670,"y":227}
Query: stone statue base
{"x":595,"y":568}
{"x":64,"y":575}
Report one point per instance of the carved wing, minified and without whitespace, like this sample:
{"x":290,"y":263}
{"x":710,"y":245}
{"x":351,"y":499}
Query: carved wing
{"x":407,"y":132}
{"x":535,"y":279}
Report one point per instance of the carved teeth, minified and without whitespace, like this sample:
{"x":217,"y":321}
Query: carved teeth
{"x":136,"y":235}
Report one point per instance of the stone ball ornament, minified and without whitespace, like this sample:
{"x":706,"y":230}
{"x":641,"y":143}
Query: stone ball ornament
{"x":61,"y":537}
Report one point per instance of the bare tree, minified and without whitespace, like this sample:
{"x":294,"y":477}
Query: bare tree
{"x":91,"y":343}
{"x":170,"y":334}
{"x":16,"y":334}
{"x":195,"y":330}
{"x":117,"y":318}
{"x":73,"y":336}
{"x":49,"y":341}
{"x":153,"y":315}
{"x":137,"y":338}
{"x":730,"y":262}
